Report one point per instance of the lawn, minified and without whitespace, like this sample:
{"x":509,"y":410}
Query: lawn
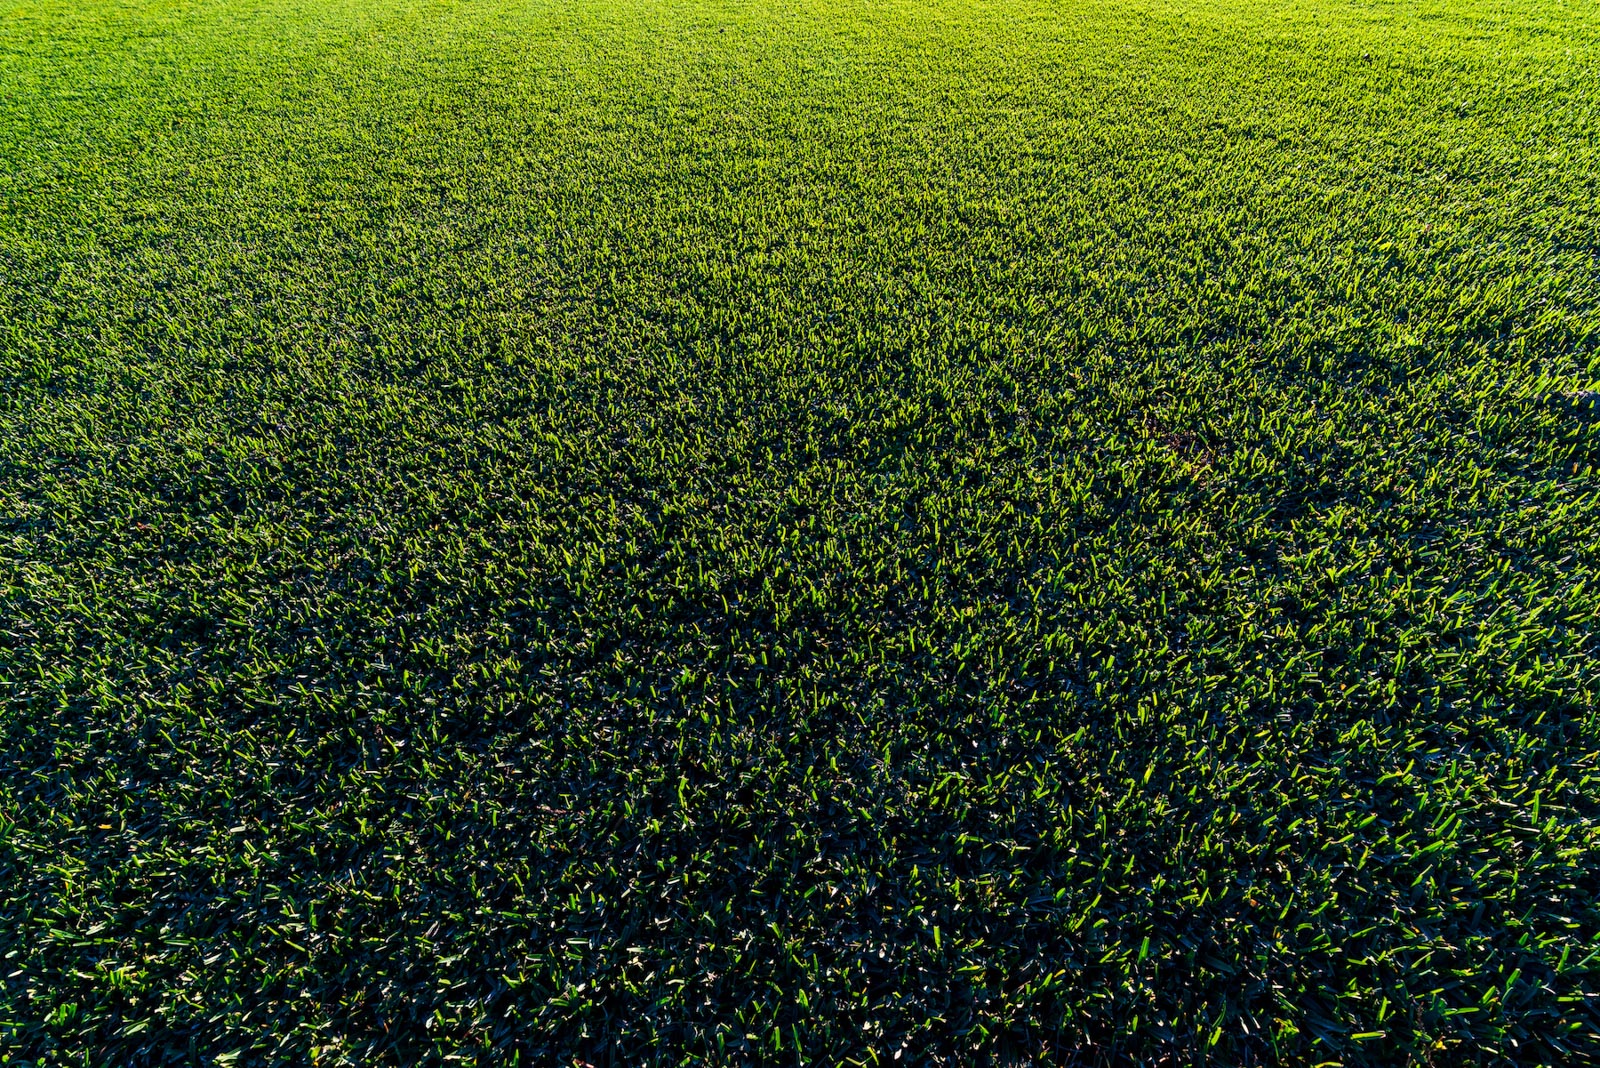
{"x":808,"y":532}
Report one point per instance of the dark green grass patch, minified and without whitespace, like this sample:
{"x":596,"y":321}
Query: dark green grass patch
{"x":808,"y":533}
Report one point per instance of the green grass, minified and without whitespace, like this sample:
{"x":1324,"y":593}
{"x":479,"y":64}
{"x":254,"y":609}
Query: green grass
{"x":705,"y":531}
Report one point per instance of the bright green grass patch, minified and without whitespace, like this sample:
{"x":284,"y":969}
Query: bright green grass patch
{"x":799,"y":532}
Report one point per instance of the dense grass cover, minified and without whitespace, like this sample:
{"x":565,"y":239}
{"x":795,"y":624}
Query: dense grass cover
{"x":651,"y":532}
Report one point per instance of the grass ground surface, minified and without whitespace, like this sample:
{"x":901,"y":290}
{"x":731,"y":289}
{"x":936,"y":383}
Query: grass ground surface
{"x":799,"y":532}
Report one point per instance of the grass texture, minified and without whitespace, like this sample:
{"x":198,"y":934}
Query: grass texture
{"x":802,"y":532}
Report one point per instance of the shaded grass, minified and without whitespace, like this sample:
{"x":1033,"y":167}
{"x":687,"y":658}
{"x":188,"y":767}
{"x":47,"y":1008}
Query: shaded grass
{"x":713,"y":531}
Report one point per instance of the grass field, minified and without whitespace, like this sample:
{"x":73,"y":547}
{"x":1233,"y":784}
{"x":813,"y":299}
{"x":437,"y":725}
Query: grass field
{"x":800,"y":532}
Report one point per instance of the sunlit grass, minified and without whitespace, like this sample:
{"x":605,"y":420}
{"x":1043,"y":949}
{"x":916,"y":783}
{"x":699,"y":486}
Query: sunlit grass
{"x":798,"y":532}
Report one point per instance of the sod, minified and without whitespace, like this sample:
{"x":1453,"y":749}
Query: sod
{"x":698,"y":531}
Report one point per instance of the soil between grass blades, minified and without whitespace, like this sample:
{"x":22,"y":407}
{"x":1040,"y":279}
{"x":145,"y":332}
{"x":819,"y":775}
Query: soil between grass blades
{"x":798,"y":533}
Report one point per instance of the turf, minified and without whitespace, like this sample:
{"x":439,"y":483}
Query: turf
{"x":801,"y":532}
